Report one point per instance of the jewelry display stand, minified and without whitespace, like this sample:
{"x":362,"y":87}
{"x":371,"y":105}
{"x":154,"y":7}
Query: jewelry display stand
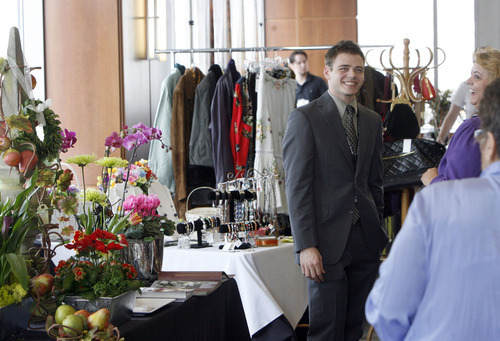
{"x":242,"y":209}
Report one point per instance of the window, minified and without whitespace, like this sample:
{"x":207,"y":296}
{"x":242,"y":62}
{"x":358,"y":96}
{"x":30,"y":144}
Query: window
{"x":390,"y":21}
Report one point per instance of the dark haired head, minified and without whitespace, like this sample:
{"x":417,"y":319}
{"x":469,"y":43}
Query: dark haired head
{"x":295,"y":53}
{"x":489,"y":110}
{"x":343,"y":46}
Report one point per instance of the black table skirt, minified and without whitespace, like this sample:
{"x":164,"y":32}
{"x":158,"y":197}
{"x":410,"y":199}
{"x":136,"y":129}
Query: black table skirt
{"x":218,"y":316}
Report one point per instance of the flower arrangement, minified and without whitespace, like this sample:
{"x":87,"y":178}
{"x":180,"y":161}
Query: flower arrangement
{"x":139,"y":175}
{"x":30,"y":139}
{"x":96,"y":270}
{"x":100,"y":214}
{"x":144,"y":221}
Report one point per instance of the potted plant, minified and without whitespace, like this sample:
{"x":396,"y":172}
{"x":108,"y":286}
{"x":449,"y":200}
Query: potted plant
{"x":145,"y":234}
{"x":95,"y":277}
{"x":16,"y":220}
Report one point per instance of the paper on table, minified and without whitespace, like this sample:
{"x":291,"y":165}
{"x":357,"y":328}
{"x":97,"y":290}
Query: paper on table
{"x":148,"y":305}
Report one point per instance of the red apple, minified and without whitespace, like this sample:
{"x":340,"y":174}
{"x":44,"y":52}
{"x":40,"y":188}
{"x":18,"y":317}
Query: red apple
{"x":29,"y":159}
{"x":4,"y":143}
{"x":99,"y":319}
{"x":11,"y":157}
{"x":42,"y":284}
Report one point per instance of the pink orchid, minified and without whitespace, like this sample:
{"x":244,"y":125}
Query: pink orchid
{"x":68,"y":140}
{"x":114,"y":140}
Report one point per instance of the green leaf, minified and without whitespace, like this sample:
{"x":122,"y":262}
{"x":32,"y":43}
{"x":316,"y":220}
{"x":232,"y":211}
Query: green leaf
{"x":120,"y":225}
{"x":68,"y":282}
{"x":18,"y":266}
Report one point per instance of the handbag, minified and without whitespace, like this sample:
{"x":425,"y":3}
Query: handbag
{"x":404,"y":169}
{"x":401,"y":122}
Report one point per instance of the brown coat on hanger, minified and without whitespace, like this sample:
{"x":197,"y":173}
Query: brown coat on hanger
{"x":180,"y":133}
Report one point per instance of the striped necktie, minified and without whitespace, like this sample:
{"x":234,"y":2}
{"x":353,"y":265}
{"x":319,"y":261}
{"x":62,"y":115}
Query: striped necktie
{"x":352,"y":139}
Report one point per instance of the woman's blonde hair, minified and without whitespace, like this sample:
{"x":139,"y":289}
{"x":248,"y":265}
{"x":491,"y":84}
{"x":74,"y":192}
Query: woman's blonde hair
{"x":488,"y":58}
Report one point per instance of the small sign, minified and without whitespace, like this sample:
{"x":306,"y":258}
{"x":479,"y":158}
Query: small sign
{"x":407,"y":145}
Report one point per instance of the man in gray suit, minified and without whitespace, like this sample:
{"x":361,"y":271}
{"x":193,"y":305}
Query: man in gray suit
{"x":332,"y":154}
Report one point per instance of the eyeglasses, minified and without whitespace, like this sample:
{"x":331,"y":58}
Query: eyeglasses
{"x":479,"y":134}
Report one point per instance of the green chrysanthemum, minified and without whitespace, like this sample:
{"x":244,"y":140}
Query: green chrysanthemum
{"x":111,"y":162}
{"x":82,"y":160}
{"x":95,"y":196}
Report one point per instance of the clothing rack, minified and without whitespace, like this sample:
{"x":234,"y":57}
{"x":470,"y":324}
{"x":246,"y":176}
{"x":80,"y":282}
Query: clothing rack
{"x":173,"y":52}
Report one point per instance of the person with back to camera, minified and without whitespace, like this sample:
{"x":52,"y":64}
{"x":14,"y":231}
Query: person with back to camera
{"x":309,"y":86}
{"x":332,"y":154}
{"x":459,"y":101}
{"x":463,"y":158}
{"x":441,"y":280}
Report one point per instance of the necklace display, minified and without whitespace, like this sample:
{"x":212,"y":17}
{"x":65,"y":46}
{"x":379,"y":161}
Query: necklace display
{"x":246,"y":208}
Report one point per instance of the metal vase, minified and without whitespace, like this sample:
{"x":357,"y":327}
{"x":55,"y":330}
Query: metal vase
{"x":157,"y":256}
{"x":139,"y":253}
{"x":120,"y":307}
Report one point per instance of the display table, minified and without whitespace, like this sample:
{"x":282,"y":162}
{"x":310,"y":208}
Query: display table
{"x":216,"y":317}
{"x":269,"y":281}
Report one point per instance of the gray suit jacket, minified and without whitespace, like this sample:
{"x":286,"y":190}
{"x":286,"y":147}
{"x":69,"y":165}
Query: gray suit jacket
{"x":321,"y":181}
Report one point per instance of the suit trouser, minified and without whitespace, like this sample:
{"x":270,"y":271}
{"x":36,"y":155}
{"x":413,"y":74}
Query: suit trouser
{"x":336,"y":306}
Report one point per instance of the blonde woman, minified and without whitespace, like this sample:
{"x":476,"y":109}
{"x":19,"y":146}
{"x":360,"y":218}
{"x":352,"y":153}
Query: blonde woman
{"x":463,"y":158}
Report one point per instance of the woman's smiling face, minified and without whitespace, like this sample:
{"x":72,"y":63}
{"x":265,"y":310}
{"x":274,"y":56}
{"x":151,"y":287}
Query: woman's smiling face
{"x":477,"y":82}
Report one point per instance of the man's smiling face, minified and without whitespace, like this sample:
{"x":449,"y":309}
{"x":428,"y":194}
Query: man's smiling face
{"x":346,"y":76}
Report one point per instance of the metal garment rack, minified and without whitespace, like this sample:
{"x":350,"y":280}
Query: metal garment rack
{"x":173,"y":52}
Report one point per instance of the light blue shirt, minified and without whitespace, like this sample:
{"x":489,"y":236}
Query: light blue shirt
{"x":441,"y":280}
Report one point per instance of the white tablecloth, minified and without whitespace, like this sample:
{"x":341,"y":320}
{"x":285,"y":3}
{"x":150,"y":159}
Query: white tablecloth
{"x":269,"y":281}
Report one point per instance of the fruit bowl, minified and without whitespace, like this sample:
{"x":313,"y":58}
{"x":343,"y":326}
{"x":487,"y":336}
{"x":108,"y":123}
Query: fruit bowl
{"x":111,"y":334}
{"x":69,"y":324}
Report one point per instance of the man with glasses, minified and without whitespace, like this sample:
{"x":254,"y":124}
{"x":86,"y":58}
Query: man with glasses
{"x":441,"y":280}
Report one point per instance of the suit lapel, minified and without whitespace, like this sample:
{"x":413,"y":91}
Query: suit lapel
{"x":331,"y":115}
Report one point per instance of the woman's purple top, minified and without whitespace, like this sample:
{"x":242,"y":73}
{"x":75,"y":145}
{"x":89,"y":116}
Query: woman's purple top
{"x":463,"y":157}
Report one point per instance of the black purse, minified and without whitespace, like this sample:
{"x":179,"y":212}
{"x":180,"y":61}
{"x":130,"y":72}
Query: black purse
{"x":401,"y":122}
{"x":403,"y":170}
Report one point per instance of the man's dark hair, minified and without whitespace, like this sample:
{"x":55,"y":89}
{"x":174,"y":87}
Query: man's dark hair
{"x":295,"y":53}
{"x":343,"y":46}
{"x":489,"y":110}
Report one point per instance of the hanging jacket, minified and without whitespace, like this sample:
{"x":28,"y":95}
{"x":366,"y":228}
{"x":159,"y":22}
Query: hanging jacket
{"x":221,"y":115}
{"x":182,"y":119}
{"x":160,"y":161}
{"x":200,"y":145}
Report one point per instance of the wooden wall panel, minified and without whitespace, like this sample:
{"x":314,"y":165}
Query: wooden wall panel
{"x":83,"y":70}
{"x":326,"y":31}
{"x":279,"y":9}
{"x":306,"y":22}
{"x":327,"y":8}
{"x":281,"y":33}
